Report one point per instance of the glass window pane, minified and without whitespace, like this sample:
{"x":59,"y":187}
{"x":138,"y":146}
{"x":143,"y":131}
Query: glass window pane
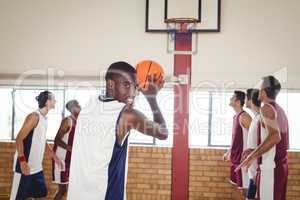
{"x":282,"y":100}
{"x":222,"y":118}
{"x":141,"y":104}
{"x":199,"y":118}
{"x":6,"y":114}
{"x":165,"y":100}
{"x":293,"y":116}
{"x":26,"y":103}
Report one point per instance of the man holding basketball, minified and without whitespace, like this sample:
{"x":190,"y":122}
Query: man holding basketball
{"x":99,"y":159}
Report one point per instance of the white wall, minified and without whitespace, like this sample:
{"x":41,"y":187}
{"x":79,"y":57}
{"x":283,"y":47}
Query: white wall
{"x":80,"y":37}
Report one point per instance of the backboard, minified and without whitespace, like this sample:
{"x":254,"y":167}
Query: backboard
{"x":207,"y":13}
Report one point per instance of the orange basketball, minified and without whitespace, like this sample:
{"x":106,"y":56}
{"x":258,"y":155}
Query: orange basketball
{"x":147,"y":68}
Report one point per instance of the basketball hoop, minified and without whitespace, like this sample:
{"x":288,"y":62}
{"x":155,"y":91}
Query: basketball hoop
{"x":181,"y":26}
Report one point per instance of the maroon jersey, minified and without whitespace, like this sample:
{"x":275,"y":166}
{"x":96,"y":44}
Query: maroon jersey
{"x":239,"y":140}
{"x":273,"y":166}
{"x":283,"y":145}
{"x":237,"y":143}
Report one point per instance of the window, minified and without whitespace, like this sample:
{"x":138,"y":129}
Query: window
{"x":210,"y":114}
{"x":165,"y":100}
{"x":222,"y":119}
{"x":26,"y":103}
{"x":199,"y":117}
{"x":211,"y":118}
{"x":293,"y":115}
{"x":6,"y":114}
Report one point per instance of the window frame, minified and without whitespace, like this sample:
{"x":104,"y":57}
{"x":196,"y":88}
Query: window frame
{"x":64,"y":89}
{"x":210,"y":115}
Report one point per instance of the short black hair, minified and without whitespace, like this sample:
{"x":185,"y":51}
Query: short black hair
{"x":42,"y":98}
{"x":115,"y":70}
{"x":249,"y":92}
{"x":70,"y":104}
{"x":240,"y":95}
{"x":271,"y":86}
{"x":254,"y":97}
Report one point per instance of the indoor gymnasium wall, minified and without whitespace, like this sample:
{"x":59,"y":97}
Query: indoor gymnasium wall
{"x":149,"y":174}
{"x":258,"y":37}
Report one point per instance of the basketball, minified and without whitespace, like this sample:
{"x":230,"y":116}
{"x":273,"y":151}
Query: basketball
{"x":146,"y":69}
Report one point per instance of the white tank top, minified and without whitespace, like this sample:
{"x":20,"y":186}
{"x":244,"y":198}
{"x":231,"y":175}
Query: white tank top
{"x":245,"y":137}
{"x":252,"y":143}
{"x":34,"y":146}
{"x":268,"y":157}
{"x":252,"y":135}
{"x":93,"y":145}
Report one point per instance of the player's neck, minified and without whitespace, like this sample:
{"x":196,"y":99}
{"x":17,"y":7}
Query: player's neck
{"x":44,"y":111}
{"x":74,"y":115}
{"x":238,"y":110}
{"x":268,"y":101}
{"x":108,"y":95}
{"x":255,"y":110}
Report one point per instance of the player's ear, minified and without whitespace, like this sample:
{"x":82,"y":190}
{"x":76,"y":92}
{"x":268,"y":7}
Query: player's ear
{"x":263,"y":94}
{"x":110,"y":84}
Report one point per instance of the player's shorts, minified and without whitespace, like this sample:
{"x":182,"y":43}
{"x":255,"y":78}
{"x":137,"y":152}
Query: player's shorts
{"x":60,"y":176}
{"x":33,"y":186}
{"x":272,"y":183}
{"x":251,"y":192}
{"x":239,"y":178}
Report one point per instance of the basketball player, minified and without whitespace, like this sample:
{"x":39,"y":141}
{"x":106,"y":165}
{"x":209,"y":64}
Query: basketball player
{"x":241,"y":124}
{"x":273,"y":142}
{"x":248,"y":97}
{"x":99,"y":157}
{"x":29,"y":178}
{"x":63,"y":147}
{"x":254,"y":103}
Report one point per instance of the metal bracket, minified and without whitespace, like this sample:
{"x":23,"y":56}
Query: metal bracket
{"x":182,"y":79}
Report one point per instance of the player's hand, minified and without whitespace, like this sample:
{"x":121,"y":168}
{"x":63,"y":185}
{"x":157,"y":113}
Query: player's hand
{"x":246,"y":153}
{"x":245,"y":164}
{"x":25,"y":169}
{"x":153,"y":87}
{"x":226,"y":157}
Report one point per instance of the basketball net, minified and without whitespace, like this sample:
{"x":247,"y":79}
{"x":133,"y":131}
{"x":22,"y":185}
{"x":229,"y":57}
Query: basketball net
{"x":182,"y":26}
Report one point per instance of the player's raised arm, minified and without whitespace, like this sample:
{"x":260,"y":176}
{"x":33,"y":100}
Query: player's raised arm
{"x":156,"y":128}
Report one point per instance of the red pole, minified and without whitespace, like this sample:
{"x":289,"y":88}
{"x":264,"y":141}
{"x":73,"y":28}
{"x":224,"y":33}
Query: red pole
{"x":180,"y":151}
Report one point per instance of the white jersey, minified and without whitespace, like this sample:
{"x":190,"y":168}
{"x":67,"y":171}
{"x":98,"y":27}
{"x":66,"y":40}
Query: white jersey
{"x":34,"y":147}
{"x":252,"y":142}
{"x":269,"y":156}
{"x":245,"y":137}
{"x":245,"y":176}
{"x":94,"y":149}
